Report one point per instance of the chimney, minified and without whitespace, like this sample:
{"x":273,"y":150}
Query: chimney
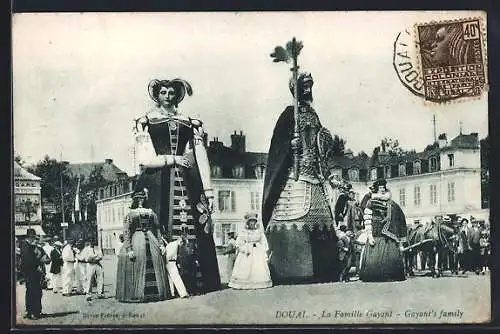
{"x":442,"y":141}
{"x":108,"y":161}
{"x":238,"y":142}
{"x":216,"y":144}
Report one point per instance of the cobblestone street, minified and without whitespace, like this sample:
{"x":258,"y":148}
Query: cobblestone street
{"x":465,"y":298}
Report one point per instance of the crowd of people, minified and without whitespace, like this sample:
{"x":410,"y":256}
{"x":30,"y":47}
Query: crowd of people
{"x":167,"y":248}
{"x":69,"y":268}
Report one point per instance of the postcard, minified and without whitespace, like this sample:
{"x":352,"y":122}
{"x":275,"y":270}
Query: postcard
{"x":251,"y":168}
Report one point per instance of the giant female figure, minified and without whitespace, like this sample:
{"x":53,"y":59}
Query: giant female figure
{"x":177,"y":175}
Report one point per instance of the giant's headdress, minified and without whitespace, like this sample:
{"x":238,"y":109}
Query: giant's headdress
{"x":301,"y":79}
{"x":180,"y":86}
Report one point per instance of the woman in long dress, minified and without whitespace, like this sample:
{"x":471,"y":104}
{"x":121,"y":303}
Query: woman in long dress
{"x":251,"y":270}
{"x":385,"y":226}
{"x":175,"y":169}
{"x":141,"y":273}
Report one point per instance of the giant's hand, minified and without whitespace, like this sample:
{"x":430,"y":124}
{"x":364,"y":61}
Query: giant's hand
{"x":210,"y":204}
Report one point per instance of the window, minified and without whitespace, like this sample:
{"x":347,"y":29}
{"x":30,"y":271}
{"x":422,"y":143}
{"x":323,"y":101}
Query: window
{"x":216,"y":171}
{"x":416,"y":193}
{"x":387,"y":171}
{"x":451,"y":192}
{"x":402,"y":170}
{"x":227,"y":201}
{"x":255,"y":202}
{"x":353,"y":174}
{"x":226,"y":228}
{"x":260,"y":171}
{"x":238,"y":172}
{"x":417,"y":167}
{"x":451,"y":160}
{"x":402,"y":196}
{"x":373,"y":174}
{"x":218,"y":231}
{"x":101,"y":193}
{"x":433,"y":193}
{"x":433,"y":164}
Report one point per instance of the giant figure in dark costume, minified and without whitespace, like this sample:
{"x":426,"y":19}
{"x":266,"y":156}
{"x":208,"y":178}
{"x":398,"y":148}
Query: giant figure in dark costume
{"x":300,"y":228}
{"x":385,"y":224}
{"x":177,"y":174}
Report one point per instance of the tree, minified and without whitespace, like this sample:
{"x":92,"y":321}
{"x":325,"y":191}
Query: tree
{"x":338,"y":146}
{"x":51,"y":171}
{"x":19,"y":160}
{"x":391,"y":146}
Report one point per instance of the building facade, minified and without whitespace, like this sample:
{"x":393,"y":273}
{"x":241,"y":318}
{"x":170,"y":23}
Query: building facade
{"x":443,"y":179}
{"x":27,"y":201}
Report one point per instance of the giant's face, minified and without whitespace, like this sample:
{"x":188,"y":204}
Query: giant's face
{"x":166,"y":96}
{"x":306,"y":92}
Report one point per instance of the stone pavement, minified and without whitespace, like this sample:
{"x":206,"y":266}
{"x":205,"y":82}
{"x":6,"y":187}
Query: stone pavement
{"x":465,"y":298}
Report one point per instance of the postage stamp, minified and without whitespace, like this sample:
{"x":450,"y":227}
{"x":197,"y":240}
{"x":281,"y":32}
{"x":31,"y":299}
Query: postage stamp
{"x":452,"y":59}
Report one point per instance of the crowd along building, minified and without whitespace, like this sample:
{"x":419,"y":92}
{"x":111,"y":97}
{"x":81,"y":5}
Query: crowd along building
{"x":445,"y":178}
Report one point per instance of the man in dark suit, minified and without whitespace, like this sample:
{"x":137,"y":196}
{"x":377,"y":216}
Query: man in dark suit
{"x":55,"y":267}
{"x":475,"y":247}
{"x":33,"y":258}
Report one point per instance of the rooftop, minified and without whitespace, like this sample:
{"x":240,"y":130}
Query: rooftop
{"x":22,"y":174}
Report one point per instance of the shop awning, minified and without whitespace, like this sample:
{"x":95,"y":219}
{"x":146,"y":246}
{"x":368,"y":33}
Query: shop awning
{"x":21,"y":230}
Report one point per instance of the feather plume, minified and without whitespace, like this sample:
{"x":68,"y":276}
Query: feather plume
{"x":280,"y":54}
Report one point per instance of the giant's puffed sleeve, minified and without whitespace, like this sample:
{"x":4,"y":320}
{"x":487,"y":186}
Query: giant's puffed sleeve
{"x":201,"y":157}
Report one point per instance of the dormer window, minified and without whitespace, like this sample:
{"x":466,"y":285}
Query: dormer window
{"x":387,"y":171}
{"x":373,"y":174}
{"x":238,"y":172}
{"x":417,"y":167}
{"x":216,"y":172}
{"x":353,"y":174}
{"x":402,"y":169}
{"x":451,"y":160}
{"x":260,"y":171}
{"x":433,"y":164}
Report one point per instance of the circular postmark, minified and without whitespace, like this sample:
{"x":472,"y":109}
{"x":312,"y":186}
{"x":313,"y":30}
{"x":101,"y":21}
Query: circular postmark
{"x":405,"y":63}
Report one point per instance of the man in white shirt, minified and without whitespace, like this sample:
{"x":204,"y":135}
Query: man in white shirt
{"x":80,"y":268}
{"x":118,"y":244}
{"x":47,"y":247}
{"x":93,"y":256}
{"x":174,"y":278}
{"x":68,"y":269}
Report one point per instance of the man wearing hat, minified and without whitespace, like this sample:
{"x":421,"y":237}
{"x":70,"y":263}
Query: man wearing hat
{"x":474,"y":239}
{"x":342,"y":205}
{"x":56,"y":266}
{"x":33,"y":258}
{"x":230,"y":251}
{"x":68,"y":269}
{"x":92,"y":257}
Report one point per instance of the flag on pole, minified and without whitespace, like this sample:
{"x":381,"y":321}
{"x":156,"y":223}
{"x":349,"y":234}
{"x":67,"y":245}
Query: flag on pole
{"x":77,"y":203}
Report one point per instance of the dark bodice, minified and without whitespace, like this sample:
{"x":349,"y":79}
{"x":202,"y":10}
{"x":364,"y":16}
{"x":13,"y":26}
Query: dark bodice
{"x":170,"y":135}
{"x":379,"y":215}
{"x":309,"y":127}
{"x":144,"y":220}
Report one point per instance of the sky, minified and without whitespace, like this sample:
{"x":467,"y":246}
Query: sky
{"x":80,"y":79}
